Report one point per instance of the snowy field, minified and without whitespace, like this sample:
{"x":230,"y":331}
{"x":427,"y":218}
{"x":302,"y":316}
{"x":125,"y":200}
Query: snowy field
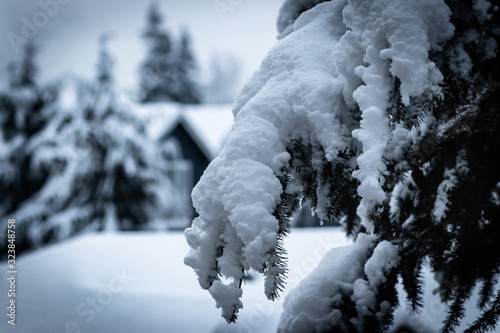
{"x":137,"y":282}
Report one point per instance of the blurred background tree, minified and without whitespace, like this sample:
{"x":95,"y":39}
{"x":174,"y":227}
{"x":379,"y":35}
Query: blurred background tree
{"x":168,"y":72}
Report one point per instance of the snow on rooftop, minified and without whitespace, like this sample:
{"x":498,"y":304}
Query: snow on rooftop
{"x":210,"y":123}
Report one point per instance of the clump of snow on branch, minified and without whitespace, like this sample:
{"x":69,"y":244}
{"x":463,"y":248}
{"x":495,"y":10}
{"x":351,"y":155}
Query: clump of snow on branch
{"x":347,"y":274}
{"x":321,"y":94}
{"x":309,"y":305}
{"x":384,"y":256}
{"x":450,"y":179}
{"x":386,"y":40}
{"x":239,"y":193}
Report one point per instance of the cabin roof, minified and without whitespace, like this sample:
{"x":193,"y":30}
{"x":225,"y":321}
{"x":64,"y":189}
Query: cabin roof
{"x":208,"y":125}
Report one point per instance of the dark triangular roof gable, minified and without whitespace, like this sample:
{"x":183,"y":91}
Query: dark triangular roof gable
{"x":181,"y":122}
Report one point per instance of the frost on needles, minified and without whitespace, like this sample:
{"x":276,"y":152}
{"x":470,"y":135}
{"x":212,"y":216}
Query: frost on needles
{"x":377,"y":112}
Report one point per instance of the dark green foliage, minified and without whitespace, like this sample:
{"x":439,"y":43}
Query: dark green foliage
{"x":334,"y":176}
{"x":489,"y":319}
{"x":278,"y":265}
{"x":455,"y":155}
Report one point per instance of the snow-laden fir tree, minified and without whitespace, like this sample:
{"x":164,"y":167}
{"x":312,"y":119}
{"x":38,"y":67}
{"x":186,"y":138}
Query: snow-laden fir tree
{"x":25,"y":108}
{"x":383,"y":114}
{"x":167,"y":73}
{"x":187,"y":90}
{"x":157,"y":71}
{"x":104,"y":172}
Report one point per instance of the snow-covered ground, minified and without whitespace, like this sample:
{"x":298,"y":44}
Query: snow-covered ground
{"x":137,"y":282}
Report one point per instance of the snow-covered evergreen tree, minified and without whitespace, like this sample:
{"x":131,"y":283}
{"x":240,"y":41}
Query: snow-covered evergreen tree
{"x":382,"y":114}
{"x":186,"y":68}
{"x":25,"y":108}
{"x":167,"y":73}
{"x":104,"y":173}
{"x":158,"y":69}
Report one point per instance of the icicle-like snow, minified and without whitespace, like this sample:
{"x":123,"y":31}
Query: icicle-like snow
{"x":393,"y":40}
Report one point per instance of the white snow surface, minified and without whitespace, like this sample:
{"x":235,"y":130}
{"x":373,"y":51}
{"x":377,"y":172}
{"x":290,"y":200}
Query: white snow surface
{"x":336,"y":58}
{"x":156,"y":292}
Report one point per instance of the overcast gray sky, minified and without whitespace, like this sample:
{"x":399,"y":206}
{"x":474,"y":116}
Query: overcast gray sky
{"x":67,"y":32}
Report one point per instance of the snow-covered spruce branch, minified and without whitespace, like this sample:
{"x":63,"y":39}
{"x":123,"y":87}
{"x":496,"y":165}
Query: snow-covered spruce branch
{"x":464,"y":113}
{"x":304,"y":97}
{"x":331,"y":117}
